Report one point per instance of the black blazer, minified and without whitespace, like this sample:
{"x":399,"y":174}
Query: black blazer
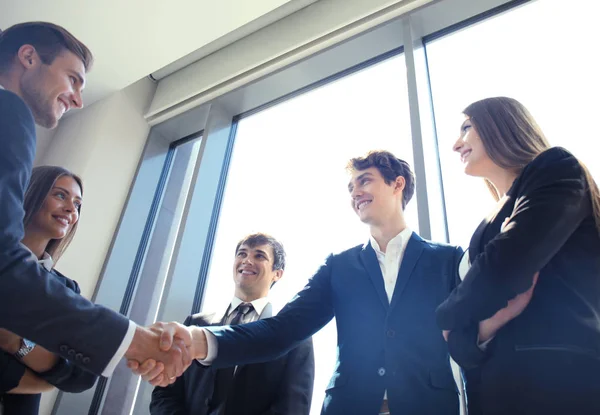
{"x":71,"y":325}
{"x":551,"y":229}
{"x":65,"y":375}
{"x":282,"y":386}
{"x":382,"y":346}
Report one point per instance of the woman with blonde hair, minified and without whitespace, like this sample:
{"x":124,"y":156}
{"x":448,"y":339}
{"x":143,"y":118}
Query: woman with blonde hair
{"x":52,"y":206}
{"x":525,"y":321}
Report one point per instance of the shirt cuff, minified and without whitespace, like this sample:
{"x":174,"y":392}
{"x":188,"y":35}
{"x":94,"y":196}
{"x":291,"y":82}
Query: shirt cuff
{"x":483,"y":345}
{"x":110,"y":368}
{"x":212,"y":348}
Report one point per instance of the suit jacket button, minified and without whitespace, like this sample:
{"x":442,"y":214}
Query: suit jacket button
{"x":381,"y":371}
{"x":71,"y":352}
{"x":391,"y":333}
{"x":63,"y":349}
{"x":78,"y":356}
{"x":86,"y":360}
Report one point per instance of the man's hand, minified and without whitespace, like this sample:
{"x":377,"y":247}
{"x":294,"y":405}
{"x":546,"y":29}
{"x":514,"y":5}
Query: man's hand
{"x":153,"y":371}
{"x":162,"y":342}
{"x":489,"y":327}
{"x":9,"y":342}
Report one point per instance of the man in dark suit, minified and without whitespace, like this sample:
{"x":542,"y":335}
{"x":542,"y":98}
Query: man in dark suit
{"x":383,"y":294}
{"x":42,"y":75}
{"x":281,"y":386}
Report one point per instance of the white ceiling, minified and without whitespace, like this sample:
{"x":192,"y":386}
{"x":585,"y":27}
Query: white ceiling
{"x":131,"y":39}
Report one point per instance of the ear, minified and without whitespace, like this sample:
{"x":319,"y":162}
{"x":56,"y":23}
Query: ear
{"x":400,"y":184}
{"x":277,"y":275}
{"x":28,"y":56}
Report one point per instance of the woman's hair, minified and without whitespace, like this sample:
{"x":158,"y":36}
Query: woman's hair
{"x":43,"y":179}
{"x":512,"y":139}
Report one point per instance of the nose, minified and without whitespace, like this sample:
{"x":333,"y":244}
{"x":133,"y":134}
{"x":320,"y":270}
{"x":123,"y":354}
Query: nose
{"x":458,"y":144}
{"x":356,"y":192}
{"x":76,"y":99}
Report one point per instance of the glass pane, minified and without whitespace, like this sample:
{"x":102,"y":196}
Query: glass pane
{"x":288,"y":178}
{"x":542,"y":54}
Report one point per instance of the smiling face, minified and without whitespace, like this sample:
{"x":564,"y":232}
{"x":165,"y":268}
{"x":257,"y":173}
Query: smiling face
{"x":374,"y":201}
{"x":51,"y":90}
{"x":253,"y":271}
{"x":472,"y":152}
{"x":60,"y":210}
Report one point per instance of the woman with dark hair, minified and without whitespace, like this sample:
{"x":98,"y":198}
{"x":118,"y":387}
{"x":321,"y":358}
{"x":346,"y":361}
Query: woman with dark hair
{"x":525,"y":321}
{"x":52,"y":207}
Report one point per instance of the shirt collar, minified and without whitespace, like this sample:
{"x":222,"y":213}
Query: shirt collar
{"x":47,"y":262}
{"x":1,"y":87}
{"x":259,"y":305}
{"x":398,"y":241}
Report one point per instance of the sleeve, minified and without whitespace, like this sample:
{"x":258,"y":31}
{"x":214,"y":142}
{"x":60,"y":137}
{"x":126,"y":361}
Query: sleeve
{"x":26,"y":290}
{"x":11,"y":372}
{"x":271,"y":338}
{"x":68,"y":377}
{"x":552,"y":203}
{"x":295,"y":393}
{"x":170,"y":400}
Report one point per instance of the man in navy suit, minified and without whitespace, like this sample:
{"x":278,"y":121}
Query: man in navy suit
{"x":42,"y":75}
{"x":280,"y":386}
{"x":383,"y":294}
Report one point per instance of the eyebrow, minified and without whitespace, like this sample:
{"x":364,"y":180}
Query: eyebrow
{"x":67,"y":192}
{"x":362,"y":176}
{"x":260,"y":251}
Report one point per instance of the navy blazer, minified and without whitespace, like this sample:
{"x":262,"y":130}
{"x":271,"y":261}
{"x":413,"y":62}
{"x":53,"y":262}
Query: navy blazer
{"x":549,"y":356}
{"x":382,"y":346}
{"x":278,"y":387}
{"x":65,"y":375}
{"x":71,"y":325}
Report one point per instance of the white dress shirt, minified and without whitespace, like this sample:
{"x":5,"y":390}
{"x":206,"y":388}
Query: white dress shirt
{"x":212,"y":345}
{"x":253,"y":315}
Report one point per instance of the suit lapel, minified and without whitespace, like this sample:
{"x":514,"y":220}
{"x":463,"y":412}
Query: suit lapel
{"x":413,"y":251}
{"x":369,"y":260}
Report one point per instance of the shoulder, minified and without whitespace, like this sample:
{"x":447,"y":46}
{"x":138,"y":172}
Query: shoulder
{"x":200,"y":319}
{"x":11,"y":105}
{"x":438,"y":247}
{"x":72,"y":284}
{"x":351,"y":252}
{"x":555,"y":165}
{"x":555,"y":159}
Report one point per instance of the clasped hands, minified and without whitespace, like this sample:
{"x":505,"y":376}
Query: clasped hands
{"x":178,"y":346}
{"x":489,"y":327}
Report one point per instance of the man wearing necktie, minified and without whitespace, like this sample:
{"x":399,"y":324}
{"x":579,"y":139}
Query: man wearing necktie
{"x":383,"y":295}
{"x":280,"y":386}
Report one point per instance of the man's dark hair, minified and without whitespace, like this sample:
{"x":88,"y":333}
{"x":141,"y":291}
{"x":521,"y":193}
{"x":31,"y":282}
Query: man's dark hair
{"x":49,"y":40}
{"x":390,"y":168}
{"x":258,"y":239}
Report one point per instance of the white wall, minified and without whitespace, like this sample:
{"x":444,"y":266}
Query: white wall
{"x":302,"y":34}
{"x":102,"y":144}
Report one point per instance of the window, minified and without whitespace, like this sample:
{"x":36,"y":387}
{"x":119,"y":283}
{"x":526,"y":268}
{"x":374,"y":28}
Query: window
{"x":540,"y":54}
{"x":287,"y":178}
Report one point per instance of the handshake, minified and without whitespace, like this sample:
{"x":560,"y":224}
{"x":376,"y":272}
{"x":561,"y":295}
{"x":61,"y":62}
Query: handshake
{"x":162,"y":352}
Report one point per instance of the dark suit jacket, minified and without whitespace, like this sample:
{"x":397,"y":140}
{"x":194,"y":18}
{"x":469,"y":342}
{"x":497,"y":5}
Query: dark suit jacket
{"x":282,"y":386}
{"x":381,"y":346}
{"x":64,"y":375}
{"x":70,"y":323}
{"x":557,"y":337}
